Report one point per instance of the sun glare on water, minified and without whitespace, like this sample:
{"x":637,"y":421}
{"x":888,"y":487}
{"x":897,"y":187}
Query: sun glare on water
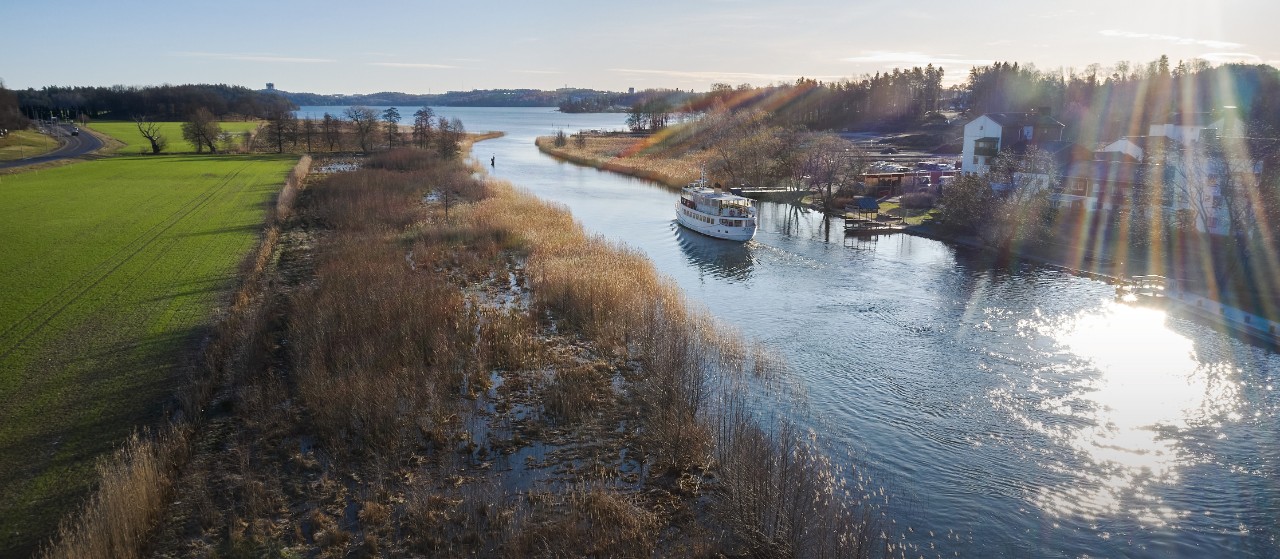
{"x":1130,"y":386}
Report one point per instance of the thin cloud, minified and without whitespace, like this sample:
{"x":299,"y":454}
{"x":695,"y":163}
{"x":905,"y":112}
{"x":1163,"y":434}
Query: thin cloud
{"x":1208,"y":43}
{"x":243,"y":57}
{"x":718,"y":76}
{"x":1225,"y":57}
{"x":891,"y":58}
{"x":410,"y":65}
{"x":539,"y":72}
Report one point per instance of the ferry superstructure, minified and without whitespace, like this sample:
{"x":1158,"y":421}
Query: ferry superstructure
{"x":716,"y":213}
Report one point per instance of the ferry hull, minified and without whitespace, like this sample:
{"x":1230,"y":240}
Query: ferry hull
{"x":715,"y":230}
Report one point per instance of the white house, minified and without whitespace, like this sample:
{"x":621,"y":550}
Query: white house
{"x":991,"y":133}
{"x":1190,"y":128}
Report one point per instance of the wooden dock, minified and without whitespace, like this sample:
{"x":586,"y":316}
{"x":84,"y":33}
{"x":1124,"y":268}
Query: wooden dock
{"x":863,"y":226}
{"x":1144,"y":289}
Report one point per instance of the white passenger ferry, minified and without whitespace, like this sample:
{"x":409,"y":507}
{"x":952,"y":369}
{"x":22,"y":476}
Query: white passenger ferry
{"x":716,"y":213}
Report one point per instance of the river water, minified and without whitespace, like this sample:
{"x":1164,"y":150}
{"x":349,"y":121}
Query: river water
{"x":992,"y":411}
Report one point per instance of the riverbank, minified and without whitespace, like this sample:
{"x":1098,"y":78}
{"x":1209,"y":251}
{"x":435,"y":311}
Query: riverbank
{"x":1254,"y":326}
{"x":636,"y":156}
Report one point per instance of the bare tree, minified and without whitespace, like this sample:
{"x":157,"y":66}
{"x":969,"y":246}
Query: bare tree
{"x":826,"y":161}
{"x":1024,"y":213}
{"x":151,"y":131}
{"x":364,"y":120}
{"x":281,"y":128}
{"x":331,"y":130}
{"x":747,"y":150}
{"x":202,"y":130}
{"x":308,"y":131}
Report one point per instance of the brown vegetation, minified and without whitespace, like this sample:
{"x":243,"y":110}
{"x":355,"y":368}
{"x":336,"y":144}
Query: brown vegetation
{"x":630,"y":154}
{"x":487,"y":380}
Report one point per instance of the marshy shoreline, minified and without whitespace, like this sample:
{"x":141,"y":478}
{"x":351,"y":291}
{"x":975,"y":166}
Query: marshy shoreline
{"x":424,"y":362}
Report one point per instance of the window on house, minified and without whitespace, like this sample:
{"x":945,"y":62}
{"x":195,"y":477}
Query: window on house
{"x":986,"y":146}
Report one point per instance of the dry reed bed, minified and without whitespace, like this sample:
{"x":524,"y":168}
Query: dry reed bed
{"x":638,"y":157}
{"x":780,"y":497}
{"x":356,"y":410}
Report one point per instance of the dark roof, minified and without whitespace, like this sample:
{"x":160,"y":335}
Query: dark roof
{"x":1190,"y":119}
{"x":867,"y":203}
{"x":1107,"y":171}
{"x":1023,"y":119}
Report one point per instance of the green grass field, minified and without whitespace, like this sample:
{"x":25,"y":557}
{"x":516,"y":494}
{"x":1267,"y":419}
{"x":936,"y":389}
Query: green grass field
{"x":134,"y":143}
{"x":25,"y":143}
{"x":111,"y":270}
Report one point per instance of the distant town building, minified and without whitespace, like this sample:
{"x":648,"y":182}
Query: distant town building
{"x":271,"y":86}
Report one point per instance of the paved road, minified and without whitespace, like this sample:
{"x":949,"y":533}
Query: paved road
{"x":72,"y":146}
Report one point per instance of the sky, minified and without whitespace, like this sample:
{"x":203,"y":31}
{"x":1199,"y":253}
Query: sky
{"x":371,"y":46}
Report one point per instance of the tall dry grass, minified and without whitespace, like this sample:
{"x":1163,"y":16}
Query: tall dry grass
{"x":292,"y":183}
{"x":133,"y":490}
{"x":382,"y":343}
{"x":375,"y":346}
{"x":781,"y":497}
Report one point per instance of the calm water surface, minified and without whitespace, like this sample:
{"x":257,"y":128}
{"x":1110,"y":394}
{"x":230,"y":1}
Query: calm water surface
{"x":1012,"y":412}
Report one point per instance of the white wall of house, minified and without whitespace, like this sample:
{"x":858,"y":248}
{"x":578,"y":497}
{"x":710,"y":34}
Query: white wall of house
{"x":1187,"y":135}
{"x":976,"y":129}
{"x":1125,"y":146}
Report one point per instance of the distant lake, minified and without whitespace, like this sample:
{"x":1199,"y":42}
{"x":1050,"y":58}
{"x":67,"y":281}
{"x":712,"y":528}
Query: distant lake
{"x":993,"y":411}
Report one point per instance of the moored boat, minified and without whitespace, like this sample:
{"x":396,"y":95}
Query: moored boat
{"x":716,"y":213}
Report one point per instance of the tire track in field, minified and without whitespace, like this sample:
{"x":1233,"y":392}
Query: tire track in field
{"x":117,"y":259}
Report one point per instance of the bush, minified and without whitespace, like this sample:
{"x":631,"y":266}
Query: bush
{"x":917,"y":200}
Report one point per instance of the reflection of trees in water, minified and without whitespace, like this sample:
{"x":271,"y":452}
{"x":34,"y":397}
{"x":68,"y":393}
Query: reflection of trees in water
{"x":731,"y":260}
{"x":792,"y":219}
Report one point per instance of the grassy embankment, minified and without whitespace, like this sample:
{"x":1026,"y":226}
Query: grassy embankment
{"x":434,"y":365}
{"x":134,"y":143}
{"x":112,"y":271}
{"x":21,"y":144}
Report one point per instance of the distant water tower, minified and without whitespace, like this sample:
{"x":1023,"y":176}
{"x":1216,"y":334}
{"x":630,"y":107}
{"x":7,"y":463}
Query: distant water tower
{"x":271,"y":86}
{"x":631,"y":90}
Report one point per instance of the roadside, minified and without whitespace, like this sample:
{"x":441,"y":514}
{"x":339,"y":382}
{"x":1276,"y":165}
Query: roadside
{"x":19,"y":145}
{"x":86,"y":144}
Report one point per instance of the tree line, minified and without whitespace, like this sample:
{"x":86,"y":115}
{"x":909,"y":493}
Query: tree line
{"x":10,"y":114}
{"x":1096,"y":103}
{"x":358,"y":128}
{"x":164,"y":102}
